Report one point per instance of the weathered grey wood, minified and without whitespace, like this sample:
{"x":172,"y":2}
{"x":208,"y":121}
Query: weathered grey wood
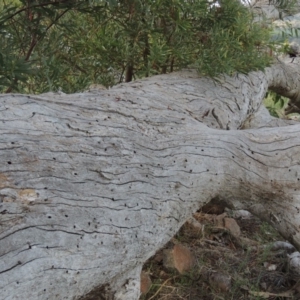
{"x":93,"y":184}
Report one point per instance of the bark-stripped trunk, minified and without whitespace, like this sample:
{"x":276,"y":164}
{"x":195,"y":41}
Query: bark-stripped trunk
{"x":92,"y":184}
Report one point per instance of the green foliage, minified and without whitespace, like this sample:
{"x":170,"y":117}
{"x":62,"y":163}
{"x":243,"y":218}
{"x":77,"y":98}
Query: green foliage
{"x":68,"y":45}
{"x":285,"y":6}
{"x":235,"y":44}
{"x":276,"y":104}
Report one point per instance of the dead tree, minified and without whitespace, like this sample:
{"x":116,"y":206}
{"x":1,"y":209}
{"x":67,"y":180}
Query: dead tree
{"x":93,"y":184}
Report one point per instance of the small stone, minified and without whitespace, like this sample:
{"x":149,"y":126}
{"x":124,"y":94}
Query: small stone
{"x":219,"y":281}
{"x":145,"y":282}
{"x":179,"y":258}
{"x":232,"y":226}
{"x":219,"y":220}
{"x":194,"y":224}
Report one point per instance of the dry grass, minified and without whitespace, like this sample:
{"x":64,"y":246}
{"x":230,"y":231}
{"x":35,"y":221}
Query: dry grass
{"x":256,"y":272}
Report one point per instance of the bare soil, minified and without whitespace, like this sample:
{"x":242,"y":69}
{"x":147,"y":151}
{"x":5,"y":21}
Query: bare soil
{"x":227,"y":267}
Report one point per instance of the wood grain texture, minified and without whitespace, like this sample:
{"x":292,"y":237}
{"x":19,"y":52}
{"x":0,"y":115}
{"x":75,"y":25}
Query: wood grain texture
{"x":93,"y":184}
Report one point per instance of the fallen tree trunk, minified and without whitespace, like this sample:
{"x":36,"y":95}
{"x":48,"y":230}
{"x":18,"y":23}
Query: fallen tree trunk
{"x":93,"y":184}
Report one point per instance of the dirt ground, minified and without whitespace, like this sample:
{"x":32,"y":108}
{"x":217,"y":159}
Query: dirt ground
{"x":226,"y":265}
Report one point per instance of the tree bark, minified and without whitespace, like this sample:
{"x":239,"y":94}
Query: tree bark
{"x":93,"y":184}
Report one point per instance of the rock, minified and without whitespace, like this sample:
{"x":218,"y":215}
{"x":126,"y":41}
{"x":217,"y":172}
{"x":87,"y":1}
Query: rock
{"x":219,"y":281}
{"x":179,"y":258}
{"x":294,"y":262}
{"x":145,"y":282}
{"x":232,"y":226}
{"x":280,"y":245}
{"x":241,"y":214}
{"x":194,"y":224}
{"x":219,"y":220}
